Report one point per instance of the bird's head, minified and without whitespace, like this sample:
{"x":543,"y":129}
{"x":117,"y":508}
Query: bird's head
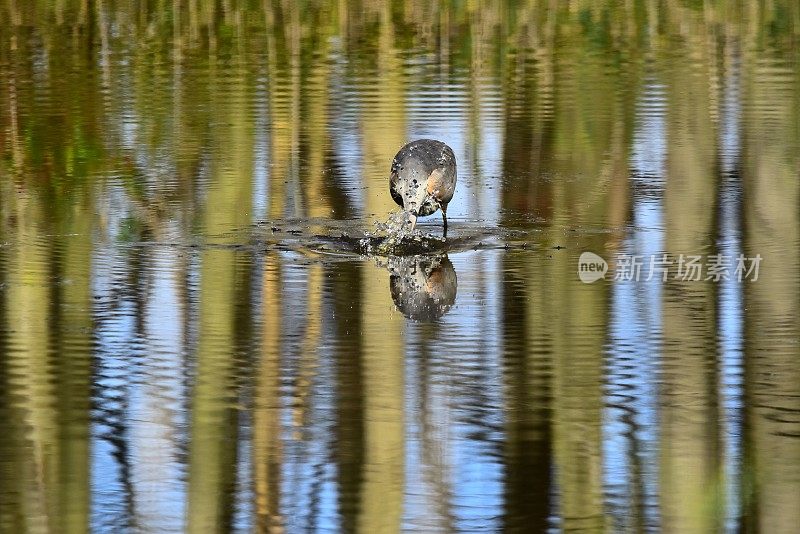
{"x":412,"y":186}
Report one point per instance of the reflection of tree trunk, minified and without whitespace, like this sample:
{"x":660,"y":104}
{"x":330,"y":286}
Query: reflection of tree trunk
{"x":214,"y":421}
{"x":315,"y":97}
{"x":74,"y":329}
{"x":308,"y":363}
{"x":8,"y":450}
{"x":526,"y":146}
{"x":383,"y":121}
{"x":48,"y":427}
{"x":771,"y":470}
{"x":267,"y":450}
{"x":349,"y":425}
{"x":690,"y":464}
{"x":105,"y":50}
{"x":528,"y":452}
{"x":282,"y":140}
{"x":691,"y":467}
{"x":634,"y":457}
{"x":224,"y":290}
{"x":10,"y":445}
{"x":13,"y":106}
{"x":551,"y":101}
{"x":579,"y":313}
{"x":434,"y":436}
{"x":29,"y":294}
{"x":114,"y":402}
{"x":295,"y":72}
{"x":384,"y":422}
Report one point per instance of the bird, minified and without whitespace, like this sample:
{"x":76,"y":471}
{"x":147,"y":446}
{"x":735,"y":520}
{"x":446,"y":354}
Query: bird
{"x":423,"y":287}
{"x":423,"y":179}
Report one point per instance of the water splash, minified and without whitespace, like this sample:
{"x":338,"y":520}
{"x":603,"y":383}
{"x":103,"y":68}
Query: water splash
{"x":397,"y":224}
{"x":395,"y":237}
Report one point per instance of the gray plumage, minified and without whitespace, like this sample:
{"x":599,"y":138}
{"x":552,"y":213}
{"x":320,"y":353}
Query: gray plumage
{"x":423,"y":287}
{"x":423,"y":178}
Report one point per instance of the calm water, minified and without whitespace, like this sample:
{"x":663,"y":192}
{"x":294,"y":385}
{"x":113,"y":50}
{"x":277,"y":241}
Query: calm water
{"x":191,"y":339}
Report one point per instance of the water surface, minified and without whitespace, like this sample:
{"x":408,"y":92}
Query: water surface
{"x":193,"y":336}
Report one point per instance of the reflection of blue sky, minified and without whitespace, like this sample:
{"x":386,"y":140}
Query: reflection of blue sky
{"x":731,"y":301}
{"x":442,"y":112}
{"x":261,"y":161}
{"x":141,"y":388}
{"x":140,"y":400}
{"x":345,"y":119}
{"x":141,"y":374}
{"x":631,"y":417}
{"x":635,"y":324}
{"x":464,"y":405}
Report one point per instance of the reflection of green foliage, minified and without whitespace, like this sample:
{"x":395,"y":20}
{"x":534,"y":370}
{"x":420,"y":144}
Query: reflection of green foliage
{"x":226,"y":35}
{"x":135,"y":186}
{"x":569,"y":76}
{"x":597,"y":31}
{"x":65,"y":137}
{"x":81,"y":153}
{"x":131,"y":230}
{"x":780,"y":24}
{"x":695,"y":5}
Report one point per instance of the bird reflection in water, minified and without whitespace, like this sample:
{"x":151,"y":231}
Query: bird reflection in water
{"x":423,"y":287}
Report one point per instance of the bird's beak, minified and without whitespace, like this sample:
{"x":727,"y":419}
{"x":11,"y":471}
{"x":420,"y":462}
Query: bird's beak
{"x":413,"y":218}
